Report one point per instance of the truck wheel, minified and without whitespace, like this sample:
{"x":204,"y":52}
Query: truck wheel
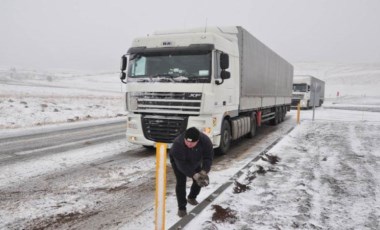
{"x":274,"y":121}
{"x":225,"y":138}
{"x":280,"y":114}
{"x":252,"y":132}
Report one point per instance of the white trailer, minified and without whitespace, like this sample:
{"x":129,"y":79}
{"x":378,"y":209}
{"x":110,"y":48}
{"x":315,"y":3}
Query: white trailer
{"x":221,"y":80}
{"x":308,"y":91}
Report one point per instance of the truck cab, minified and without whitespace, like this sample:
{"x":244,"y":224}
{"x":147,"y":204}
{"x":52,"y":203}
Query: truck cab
{"x":308,"y":91}
{"x":221,"y":80}
{"x":178,"y":80}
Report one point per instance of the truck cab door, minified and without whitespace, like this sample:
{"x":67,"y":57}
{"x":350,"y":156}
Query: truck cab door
{"x":224,"y":89}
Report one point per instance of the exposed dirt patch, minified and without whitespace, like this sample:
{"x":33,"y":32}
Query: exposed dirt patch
{"x":223,"y":215}
{"x":239,"y":187}
{"x":57,"y":220}
{"x":113,"y":189}
{"x":261,"y":170}
{"x":271,"y":159}
{"x":251,"y":175}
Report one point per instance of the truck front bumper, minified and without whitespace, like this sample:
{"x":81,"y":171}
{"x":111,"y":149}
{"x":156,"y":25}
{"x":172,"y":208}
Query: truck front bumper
{"x":135,"y":132}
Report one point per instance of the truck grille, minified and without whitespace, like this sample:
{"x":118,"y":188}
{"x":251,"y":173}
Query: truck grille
{"x":297,"y":96}
{"x":295,"y":102}
{"x":166,"y":103}
{"x":163,"y":129}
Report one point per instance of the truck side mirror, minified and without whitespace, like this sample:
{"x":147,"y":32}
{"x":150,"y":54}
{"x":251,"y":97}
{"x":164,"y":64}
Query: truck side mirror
{"x":225,"y":75}
{"x":123,"y":63}
{"x":123,"y":76}
{"x":224,"y":61}
{"x":308,"y":88}
{"x":123,"y":67}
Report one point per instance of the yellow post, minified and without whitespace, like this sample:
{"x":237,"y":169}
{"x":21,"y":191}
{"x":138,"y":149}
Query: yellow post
{"x":160,"y":186}
{"x":298,"y":113}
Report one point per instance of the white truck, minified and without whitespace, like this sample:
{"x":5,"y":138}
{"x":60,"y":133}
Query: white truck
{"x":308,"y":91}
{"x":221,"y":80}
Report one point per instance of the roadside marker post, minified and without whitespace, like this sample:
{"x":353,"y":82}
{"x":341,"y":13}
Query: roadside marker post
{"x":160,"y":186}
{"x":298,"y":113}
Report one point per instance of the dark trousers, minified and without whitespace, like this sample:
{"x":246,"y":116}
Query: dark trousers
{"x":180,"y":188}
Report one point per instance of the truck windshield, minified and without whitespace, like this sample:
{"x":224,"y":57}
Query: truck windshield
{"x":177,"y":66}
{"x":299,"y":87}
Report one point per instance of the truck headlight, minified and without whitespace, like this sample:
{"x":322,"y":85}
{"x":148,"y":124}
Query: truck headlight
{"x":131,"y":125}
{"x":133,"y":103}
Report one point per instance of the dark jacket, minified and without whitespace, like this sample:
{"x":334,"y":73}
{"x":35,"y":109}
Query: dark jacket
{"x":190,"y":161}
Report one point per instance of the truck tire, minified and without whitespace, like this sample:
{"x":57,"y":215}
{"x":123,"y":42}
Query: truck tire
{"x":282,"y":113}
{"x":275,"y":120}
{"x":225,"y":139}
{"x":252,"y":132}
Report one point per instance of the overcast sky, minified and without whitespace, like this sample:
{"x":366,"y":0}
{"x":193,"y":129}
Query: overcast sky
{"x":93,"y":34}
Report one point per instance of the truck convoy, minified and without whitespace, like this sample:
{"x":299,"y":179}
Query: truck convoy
{"x":308,"y":91}
{"x":221,"y":80}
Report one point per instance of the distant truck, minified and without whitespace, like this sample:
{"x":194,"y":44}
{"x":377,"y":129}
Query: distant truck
{"x":221,"y":80}
{"x":307,"y":91}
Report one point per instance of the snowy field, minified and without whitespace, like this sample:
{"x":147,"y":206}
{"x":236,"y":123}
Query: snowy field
{"x":31,"y":98}
{"x":328,"y":175}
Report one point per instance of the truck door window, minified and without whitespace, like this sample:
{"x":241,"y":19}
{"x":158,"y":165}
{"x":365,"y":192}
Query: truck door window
{"x":138,"y":66}
{"x":217,"y":66}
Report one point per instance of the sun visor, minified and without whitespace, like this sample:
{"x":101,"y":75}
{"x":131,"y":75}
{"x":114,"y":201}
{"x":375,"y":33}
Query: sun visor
{"x":193,"y":47}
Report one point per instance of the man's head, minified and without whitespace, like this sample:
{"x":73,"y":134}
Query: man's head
{"x":191,"y":137}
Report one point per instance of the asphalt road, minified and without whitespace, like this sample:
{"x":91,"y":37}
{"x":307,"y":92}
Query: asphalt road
{"x":50,"y":142}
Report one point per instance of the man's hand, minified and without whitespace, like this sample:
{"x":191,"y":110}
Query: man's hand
{"x":202,"y":178}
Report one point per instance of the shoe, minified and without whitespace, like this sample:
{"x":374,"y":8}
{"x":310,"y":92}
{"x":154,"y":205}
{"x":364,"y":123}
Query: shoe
{"x":192,"y":201}
{"x":181,"y":213}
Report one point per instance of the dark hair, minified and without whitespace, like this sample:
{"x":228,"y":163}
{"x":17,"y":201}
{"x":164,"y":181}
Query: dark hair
{"x":192,"y":134}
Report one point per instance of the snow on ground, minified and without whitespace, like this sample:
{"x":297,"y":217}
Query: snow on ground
{"x":16,"y":174}
{"x":31,"y":98}
{"x":327,"y":178}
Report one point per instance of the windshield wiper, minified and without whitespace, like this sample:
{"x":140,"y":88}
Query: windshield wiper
{"x":180,"y":78}
{"x":143,"y":80}
{"x":165,"y":76}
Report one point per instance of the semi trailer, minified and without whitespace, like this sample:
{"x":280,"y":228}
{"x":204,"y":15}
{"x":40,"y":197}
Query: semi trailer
{"x":308,"y":91}
{"x":221,"y":80}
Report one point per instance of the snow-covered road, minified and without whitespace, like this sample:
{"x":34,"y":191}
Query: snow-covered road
{"x":102,"y":186}
{"x":18,"y":147}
